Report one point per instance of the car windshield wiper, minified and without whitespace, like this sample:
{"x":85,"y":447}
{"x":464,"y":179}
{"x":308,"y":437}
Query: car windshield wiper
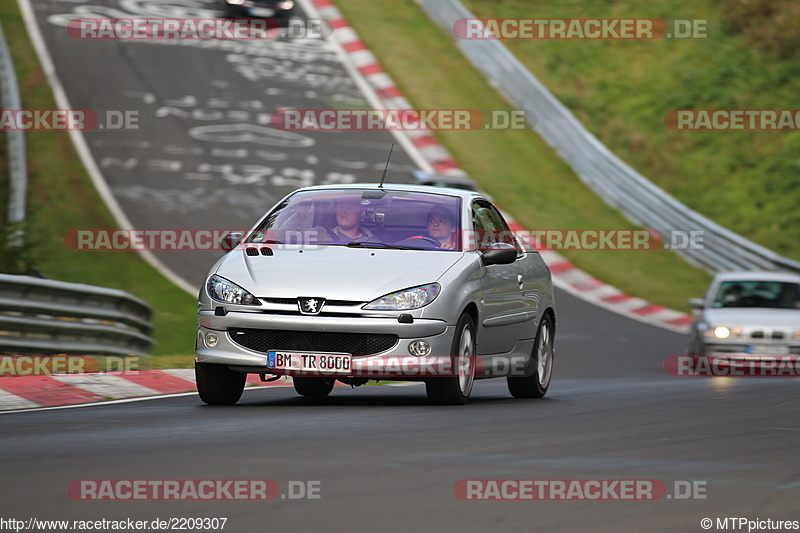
{"x":380,"y":245}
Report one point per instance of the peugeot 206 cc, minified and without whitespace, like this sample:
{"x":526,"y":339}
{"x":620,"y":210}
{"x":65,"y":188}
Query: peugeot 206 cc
{"x":353,"y":283}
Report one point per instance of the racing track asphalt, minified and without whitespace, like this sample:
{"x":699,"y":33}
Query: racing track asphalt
{"x":386,"y":460}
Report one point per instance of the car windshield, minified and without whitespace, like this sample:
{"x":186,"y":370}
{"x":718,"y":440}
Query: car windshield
{"x":363,"y":218}
{"x":769,"y":294}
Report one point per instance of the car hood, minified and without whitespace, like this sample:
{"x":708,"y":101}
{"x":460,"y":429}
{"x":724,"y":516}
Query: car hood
{"x":334,"y":272}
{"x":754,"y":317}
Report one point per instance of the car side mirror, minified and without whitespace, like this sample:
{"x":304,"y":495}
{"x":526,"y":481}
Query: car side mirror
{"x":697,"y":304}
{"x":499,"y":253}
{"x":231,"y":240}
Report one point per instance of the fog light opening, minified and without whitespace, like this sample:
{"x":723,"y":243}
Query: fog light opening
{"x":419,"y":348}
{"x":212,"y":339}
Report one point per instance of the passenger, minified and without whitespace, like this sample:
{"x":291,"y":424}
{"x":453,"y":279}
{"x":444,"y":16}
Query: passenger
{"x":348,"y":223}
{"x":790,"y":296}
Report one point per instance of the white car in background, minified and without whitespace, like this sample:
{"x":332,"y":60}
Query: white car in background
{"x":752,"y":313}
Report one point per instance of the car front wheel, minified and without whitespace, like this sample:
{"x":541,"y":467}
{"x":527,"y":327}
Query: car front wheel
{"x":217,"y":384}
{"x":535,"y":385}
{"x":455,"y":390}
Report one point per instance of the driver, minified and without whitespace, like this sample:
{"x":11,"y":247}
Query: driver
{"x":442,"y":227}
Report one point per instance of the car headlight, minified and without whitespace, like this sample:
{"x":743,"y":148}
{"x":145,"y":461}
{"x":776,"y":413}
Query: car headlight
{"x":407,"y":299}
{"x":223,"y":290}
{"x":287,"y":4}
{"x":723,"y":332}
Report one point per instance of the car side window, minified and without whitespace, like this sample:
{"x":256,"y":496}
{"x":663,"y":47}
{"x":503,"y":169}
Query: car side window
{"x":489,"y":225}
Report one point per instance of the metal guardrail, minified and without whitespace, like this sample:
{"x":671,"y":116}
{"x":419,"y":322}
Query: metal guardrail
{"x":18,"y":171}
{"x":53,"y":317}
{"x":612,"y":179}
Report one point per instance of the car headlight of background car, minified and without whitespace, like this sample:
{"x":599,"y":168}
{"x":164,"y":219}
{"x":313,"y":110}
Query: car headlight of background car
{"x":226,"y":291}
{"x":407,"y":299}
{"x":722,"y":332}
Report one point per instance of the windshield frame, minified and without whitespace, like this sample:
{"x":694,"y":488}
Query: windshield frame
{"x":308,"y":217}
{"x":756,"y":294}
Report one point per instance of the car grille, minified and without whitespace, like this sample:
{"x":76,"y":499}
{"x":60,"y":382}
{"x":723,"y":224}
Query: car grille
{"x":263,"y":340}
{"x":293,"y":301}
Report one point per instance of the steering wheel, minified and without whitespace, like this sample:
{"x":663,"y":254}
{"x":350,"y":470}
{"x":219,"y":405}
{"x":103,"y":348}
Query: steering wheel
{"x":415,"y":241}
{"x":431,"y":240}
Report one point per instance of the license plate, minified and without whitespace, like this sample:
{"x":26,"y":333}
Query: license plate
{"x":319,"y":363}
{"x":261,"y":12}
{"x":768,"y":349}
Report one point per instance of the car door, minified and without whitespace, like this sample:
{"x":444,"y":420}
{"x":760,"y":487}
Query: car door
{"x":505,"y":314}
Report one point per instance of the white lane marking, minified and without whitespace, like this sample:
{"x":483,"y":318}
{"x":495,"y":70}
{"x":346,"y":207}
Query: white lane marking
{"x":145,"y":398}
{"x":123,"y":400}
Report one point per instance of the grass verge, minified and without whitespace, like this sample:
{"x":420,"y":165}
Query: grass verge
{"x":516,"y":167}
{"x":61,"y":196}
{"x":747,"y":181}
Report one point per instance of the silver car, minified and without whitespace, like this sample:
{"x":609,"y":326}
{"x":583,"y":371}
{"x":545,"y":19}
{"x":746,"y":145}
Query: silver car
{"x":362,"y":282}
{"x":747,"y":313}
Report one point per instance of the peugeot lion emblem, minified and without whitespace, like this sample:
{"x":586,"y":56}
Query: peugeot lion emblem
{"x":310,"y":306}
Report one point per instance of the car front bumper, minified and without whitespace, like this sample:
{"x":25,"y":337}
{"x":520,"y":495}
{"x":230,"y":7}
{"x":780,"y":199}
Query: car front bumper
{"x":739,"y":348}
{"x":396,"y":362}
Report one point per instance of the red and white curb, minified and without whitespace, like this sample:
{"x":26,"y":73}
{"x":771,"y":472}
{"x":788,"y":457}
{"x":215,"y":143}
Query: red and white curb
{"x":28,"y":392}
{"x":565,"y":275}
{"x":19,"y":393}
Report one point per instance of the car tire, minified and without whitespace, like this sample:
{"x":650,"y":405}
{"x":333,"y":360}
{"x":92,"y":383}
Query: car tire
{"x":455,"y":390}
{"x":536,"y":385}
{"x":217,"y":384}
{"x":313,"y":387}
